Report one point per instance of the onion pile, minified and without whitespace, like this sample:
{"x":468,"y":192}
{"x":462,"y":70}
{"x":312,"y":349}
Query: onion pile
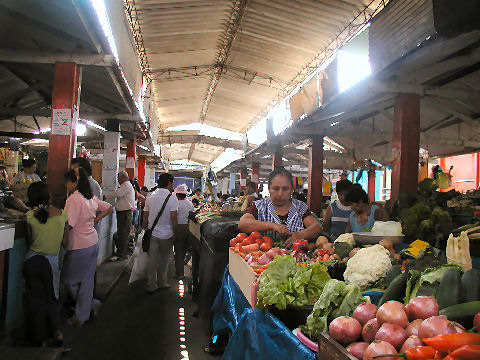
{"x":386,"y":330}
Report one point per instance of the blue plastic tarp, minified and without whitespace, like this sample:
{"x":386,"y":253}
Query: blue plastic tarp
{"x":256,"y":334}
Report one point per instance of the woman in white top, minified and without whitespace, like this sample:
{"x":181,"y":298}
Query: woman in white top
{"x":28,"y":173}
{"x":181,"y":242}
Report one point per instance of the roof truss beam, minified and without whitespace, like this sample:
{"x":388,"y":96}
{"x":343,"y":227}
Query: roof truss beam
{"x":52,"y":58}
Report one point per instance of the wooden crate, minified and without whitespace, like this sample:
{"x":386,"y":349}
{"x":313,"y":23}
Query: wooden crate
{"x":330,"y":349}
{"x":242,"y":273}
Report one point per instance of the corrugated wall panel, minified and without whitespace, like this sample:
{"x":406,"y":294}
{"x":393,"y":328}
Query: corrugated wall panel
{"x":399,"y":28}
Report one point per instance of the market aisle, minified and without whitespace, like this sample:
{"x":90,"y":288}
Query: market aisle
{"x":134,"y":325}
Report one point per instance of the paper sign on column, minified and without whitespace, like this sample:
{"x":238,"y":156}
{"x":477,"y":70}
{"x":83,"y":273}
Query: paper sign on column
{"x":130,"y":163}
{"x":243,"y":182}
{"x":255,"y":178}
{"x":61,"y":122}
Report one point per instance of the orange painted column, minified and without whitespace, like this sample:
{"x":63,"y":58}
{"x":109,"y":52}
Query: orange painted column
{"x":277,"y":158}
{"x":255,"y":177}
{"x":65,"y":103}
{"x":315,"y":175}
{"x":131,"y":158}
{"x":405,"y":145}
{"x":141,"y":171}
{"x":243,"y":179}
{"x":371,"y":185}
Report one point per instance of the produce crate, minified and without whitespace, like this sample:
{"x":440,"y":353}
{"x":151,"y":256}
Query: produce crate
{"x":242,"y":273}
{"x":330,"y":349}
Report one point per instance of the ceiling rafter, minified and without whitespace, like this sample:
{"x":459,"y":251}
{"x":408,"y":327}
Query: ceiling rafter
{"x":225,"y":45}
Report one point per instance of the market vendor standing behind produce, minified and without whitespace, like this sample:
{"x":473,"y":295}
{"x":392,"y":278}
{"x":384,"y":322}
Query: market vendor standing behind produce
{"x":250,"y":195}
{"x":364,"y":214}
{"x":336,"y":218}
{"x":280,"y":216}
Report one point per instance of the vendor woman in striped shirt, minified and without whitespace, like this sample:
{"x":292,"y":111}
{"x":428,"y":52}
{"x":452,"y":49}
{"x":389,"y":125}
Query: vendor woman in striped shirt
{"x":336,"y":217}
{"x":280,"y":216}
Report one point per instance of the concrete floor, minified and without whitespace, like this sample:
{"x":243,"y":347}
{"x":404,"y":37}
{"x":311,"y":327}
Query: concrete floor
{"x":131,"y":325}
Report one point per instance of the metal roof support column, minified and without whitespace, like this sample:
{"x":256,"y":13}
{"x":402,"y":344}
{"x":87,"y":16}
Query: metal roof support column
{"x":224,"y":46}
{"x":131,"y":159}
{"x":405,"y":145}
{"x":141,"y":171}
{"x":315,"y":175}
{"x":371,"y":185}
{"x":65,"y":104}
{"x":111,"y":156}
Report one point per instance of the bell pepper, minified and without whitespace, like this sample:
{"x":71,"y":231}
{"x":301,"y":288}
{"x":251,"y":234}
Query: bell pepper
{"x":450,"y":342}
{"x":416,"y":353}
{"x":297,"y":244}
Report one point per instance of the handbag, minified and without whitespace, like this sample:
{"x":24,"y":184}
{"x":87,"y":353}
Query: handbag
{"x":148,"y":232}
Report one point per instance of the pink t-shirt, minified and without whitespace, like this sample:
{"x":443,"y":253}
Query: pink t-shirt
{"x":81,"y":216}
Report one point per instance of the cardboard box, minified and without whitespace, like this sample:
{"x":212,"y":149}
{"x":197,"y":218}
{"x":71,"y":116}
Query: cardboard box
{"x":243,"y":274}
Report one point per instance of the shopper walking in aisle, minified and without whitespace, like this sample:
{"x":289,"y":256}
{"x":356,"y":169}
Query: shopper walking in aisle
{"x":182,"y":234}
{"x":124,"y":205}
{"x":47,"y":228}
{"x":161,"y":243}
{"x":84,"y":210}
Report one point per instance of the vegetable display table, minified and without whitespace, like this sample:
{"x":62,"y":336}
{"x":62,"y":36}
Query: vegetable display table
{"x":256,"y":334}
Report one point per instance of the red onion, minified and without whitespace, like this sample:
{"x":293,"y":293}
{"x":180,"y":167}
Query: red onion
{"x":435,"y":325}
{"x":412,"y":328}
{"x":370,"y":330}
{"x":393,"y":334}
{"x":264,"y":259}
{"x":345,"y":329}
{"x":422,"y":307}
{"x":411,"y":342}
{"x":357,"y":349}
{"x":365,"y":312}
{"x":392,"y":312}
{"x":379,"y":348}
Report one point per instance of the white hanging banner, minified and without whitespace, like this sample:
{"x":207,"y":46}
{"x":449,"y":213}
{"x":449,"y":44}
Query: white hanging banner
{"x":61,"y":122}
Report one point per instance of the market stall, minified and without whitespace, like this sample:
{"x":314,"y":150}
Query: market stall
{"x":289,"y":301}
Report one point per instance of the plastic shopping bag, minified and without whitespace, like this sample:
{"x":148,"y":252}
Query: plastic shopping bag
{"x":140,"y":261}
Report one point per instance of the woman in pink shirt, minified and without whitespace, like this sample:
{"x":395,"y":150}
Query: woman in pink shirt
{"x":84,"y":211}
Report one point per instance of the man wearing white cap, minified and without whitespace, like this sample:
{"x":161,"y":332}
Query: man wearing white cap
{"x":181,"y":242}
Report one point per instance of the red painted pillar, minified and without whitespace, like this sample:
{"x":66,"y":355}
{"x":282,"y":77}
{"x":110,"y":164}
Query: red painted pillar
{"x":243,"y":179}
{"x":141,"y":171}
{"x":405,"y":145}
{"x":371,"y":185}
{"x":315,"y":175}
{"x":277,"y":158}
{"x":477,"y":170}
{"x":131,"y":157}
{"x":65,"y":102}
{"x":255,"y":173}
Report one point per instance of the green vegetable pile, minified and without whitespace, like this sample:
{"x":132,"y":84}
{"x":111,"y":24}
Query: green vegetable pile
{"x":285,"y":283}
{"x":337,"y":299}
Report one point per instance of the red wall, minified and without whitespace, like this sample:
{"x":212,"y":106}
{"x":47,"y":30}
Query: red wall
{"x":465,"y":171}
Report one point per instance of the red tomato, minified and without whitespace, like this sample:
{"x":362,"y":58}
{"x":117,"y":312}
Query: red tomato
{"x":268,"y":239}
{"x":259,"y":241}
{"x":256,"y":235}
{"x":265,"y":246}
{"x":233,"y":242}
{"x":248,"y":241}
{"x":241,"y":236}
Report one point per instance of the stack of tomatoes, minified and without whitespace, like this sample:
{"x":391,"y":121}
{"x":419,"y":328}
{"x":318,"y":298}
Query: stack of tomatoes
{"x":244,"y":244}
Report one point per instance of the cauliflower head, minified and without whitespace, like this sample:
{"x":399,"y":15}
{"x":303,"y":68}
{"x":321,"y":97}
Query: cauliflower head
{"x":367,"y":266}
{"x":347,"y":238}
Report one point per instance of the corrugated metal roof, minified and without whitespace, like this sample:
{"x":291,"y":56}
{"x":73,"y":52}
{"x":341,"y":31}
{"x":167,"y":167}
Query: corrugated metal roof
{"x":225,"y":63}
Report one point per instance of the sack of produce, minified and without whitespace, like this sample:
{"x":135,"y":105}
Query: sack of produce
{"x":387,"y":228}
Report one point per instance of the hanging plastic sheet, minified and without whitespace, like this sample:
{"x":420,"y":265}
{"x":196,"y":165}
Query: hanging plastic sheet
{"x":260,"y":335}
{"x":256,"y":334}
{"x":228,"y":306}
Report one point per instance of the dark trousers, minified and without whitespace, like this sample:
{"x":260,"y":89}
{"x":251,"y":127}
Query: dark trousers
{"x":124,"y":223}
{"x":181,"y":244}
{"x":43,"y":317}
